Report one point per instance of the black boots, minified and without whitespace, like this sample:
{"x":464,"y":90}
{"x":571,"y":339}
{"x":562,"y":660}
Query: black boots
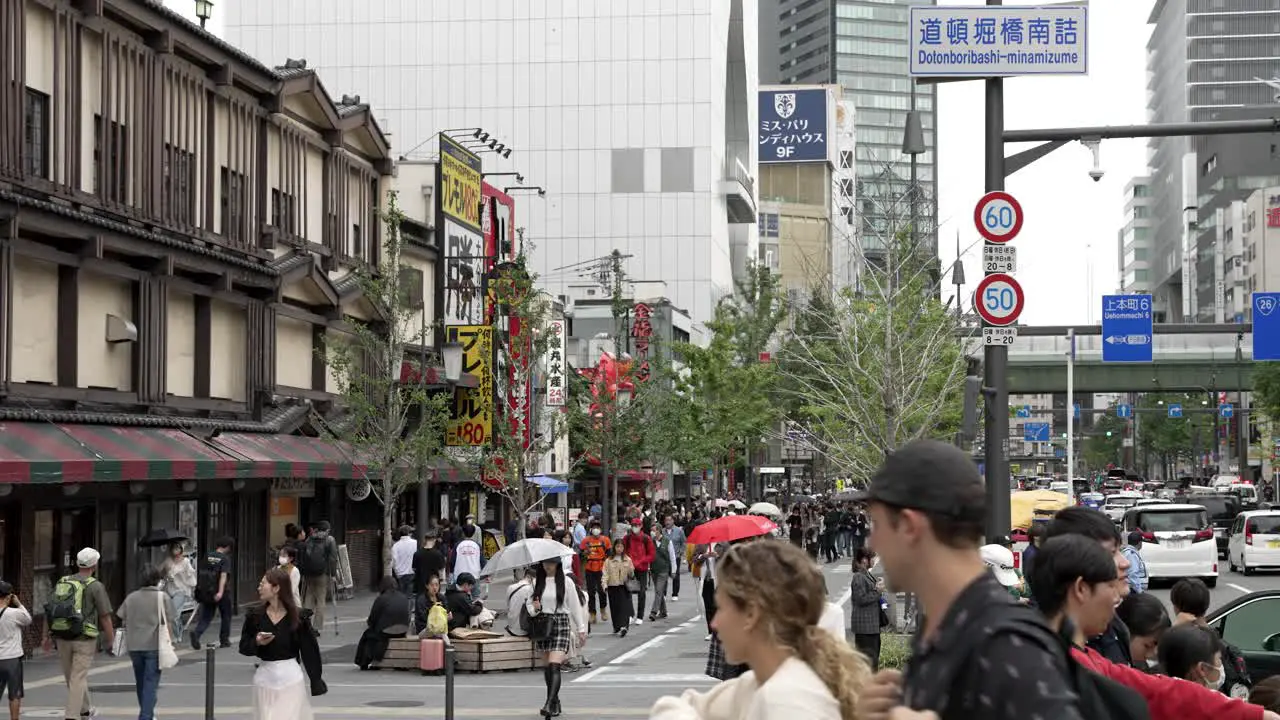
{"x":551,"y":673}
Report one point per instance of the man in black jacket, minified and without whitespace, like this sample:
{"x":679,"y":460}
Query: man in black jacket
{"x":457,"y":600}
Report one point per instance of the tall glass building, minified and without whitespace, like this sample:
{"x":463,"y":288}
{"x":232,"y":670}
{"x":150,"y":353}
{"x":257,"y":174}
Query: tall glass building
{"x":862,"y":46}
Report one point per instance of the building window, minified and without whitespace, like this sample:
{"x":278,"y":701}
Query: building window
{"x":235,"y":204}
{"x":179,"y":183}
{"x":284,"y":216}
{"x":1141,"y":191}
{"x":846,"y":188}
{"x":35,"y":134}
{"x":111,"y":166}
{"x":846,"y":159}
{"x":357,"y":243}
{"x":847,"y":211}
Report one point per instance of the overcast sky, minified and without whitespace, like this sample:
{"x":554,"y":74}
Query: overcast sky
{"x":1071,"y":221}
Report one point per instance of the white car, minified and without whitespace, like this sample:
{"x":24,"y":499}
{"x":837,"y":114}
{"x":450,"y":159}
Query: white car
{"x":1118,"y":503}
{"x":1177,"y":541}
{"x":1254,"y":541}
{"x":1151,"y":501}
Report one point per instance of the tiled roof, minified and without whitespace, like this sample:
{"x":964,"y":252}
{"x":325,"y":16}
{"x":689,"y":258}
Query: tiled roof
{"x":277,"y":419}
{"x":348,"y":283}
{"x":232,"y":50}
{"x":126,"y":229}
{"x":292,"y":72}
{"x":349,"y":110}
{"x":286,"y":264}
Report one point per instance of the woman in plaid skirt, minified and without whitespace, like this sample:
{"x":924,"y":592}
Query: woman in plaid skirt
{"x":556,"y":613}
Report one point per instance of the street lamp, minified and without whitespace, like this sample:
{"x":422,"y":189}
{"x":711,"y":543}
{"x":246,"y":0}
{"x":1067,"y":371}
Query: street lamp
{"x":204,"y":11}
{"x":451,"y":352}
{"x":913,"y":145}
{"x":541,"y":191}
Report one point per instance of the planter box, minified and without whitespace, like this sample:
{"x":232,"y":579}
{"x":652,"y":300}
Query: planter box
{"x":493,"y":654}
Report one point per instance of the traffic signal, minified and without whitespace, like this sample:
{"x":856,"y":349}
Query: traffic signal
{"x":1108,"y":433}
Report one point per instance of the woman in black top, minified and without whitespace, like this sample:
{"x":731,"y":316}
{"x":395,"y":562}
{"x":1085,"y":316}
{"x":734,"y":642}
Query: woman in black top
{"x":280,"y":636}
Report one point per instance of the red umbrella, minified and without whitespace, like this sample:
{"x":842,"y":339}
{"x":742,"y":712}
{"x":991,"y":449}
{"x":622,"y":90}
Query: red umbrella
{"x":730,"y":528}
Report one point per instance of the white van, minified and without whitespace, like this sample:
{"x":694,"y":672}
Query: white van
{"x":1255,"y":541}
{"x":1177,"y":541}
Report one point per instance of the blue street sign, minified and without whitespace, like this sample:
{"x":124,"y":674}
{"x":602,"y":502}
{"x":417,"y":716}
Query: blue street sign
{"x":1024,"y":411}
{"x":793,"y":125}
{"x":1124,"y":411}
{"x":1076,"y":408}
{"x":1175,"y":410}
{"x":1266,"y":326}
{"x":1035,"y":432}
{"x":1226,"y":411}
{"x":1126,"y":328}
{"x":1060,"y":452}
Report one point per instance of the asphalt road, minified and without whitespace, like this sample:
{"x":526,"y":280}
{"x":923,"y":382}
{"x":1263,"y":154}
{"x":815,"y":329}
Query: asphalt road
{"x":1231,"y":585}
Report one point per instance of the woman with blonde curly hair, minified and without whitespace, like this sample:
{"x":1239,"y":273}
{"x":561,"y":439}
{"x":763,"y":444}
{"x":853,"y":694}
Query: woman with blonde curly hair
{"x":798,"y":670}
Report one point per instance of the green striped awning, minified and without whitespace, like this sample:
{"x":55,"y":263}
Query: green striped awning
{"x":291,"y":456}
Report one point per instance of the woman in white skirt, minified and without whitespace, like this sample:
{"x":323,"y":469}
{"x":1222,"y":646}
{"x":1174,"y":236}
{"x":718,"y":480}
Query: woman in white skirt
{"x":280,"y":636}
{"x":556,"y":613}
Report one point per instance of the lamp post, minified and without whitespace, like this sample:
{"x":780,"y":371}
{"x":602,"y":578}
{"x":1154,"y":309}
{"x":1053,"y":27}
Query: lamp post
{"x":451,"y":354}
{"x":913,"y":145}
{"x":538,"y":188}
{"x":204,"y":11}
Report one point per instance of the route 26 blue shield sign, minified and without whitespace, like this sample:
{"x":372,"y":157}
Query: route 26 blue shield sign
{"x":794,"y":125}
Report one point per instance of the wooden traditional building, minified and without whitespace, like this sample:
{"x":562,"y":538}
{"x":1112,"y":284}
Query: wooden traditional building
{"x":179,"y":225}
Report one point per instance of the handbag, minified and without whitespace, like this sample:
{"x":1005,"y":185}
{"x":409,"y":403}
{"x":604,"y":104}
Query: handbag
{"x":540,"y":626}
{"x":633,"y":585}
{"x":168,"y":656}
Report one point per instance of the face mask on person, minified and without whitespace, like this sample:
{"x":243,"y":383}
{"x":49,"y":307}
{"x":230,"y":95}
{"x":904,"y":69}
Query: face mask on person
{"x":1152,"y":663}
{"x":1216,"y":684}
{"x":634,"y":529}
{"x":595,"y":531}
{"x":468,"y":528}
{"x":284,"y":559}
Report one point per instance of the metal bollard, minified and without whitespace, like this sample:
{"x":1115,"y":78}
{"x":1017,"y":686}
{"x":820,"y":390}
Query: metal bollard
{"x":209,"y":651}
{"x":449,"y":658}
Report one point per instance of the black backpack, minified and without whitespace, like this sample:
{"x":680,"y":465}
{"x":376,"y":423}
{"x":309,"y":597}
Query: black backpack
{"x":207,"y":576}
{"x":1101,"y":698}
{"x":313,"y":557}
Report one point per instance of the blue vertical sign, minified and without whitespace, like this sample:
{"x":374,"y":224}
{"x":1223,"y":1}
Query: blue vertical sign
{"x":1126,"y":328}
{"x":793,"y":125}
{"x":1124,"y":411}
{"x":1266,"y":326}
{"x":1226,"y":411}
{"x":1175,"y":410}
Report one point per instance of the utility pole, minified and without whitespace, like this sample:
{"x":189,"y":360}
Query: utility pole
{"x":996,"y":357}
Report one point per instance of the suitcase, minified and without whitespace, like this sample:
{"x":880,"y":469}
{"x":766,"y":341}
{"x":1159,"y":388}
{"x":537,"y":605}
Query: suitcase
{"x":431,"y":655}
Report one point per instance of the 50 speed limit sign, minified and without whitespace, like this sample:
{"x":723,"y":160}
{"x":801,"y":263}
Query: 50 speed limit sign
{"x":998,"y":217}
{"x":999,"y":299}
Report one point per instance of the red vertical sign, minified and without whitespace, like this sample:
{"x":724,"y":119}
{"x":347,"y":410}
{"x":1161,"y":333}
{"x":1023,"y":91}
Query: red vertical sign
{"x":498,"y":228}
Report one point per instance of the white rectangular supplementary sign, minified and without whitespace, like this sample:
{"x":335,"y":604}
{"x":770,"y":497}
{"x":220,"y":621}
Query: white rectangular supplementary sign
{"x":999,"y":259}
{"x":999,"y":335}
{"x":998,"y":40}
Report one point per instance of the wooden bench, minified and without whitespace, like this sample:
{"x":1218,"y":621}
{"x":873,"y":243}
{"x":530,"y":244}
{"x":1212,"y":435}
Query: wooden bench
{"x":402,"y":654}
{"x":507,"y":653}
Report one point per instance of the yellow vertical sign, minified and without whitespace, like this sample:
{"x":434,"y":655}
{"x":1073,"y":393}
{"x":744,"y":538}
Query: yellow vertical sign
{"x":460,"y":184}
{"x":471,"y":424}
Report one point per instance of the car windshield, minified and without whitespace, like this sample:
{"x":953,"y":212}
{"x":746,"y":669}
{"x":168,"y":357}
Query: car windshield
{"x":1123,"y":501}
{"x":1171,"y":520}
{"x":1265,"y":525}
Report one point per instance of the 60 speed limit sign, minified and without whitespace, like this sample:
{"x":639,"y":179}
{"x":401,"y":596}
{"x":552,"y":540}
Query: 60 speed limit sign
{"x":998,"y":217}
{"x":999,"y":299}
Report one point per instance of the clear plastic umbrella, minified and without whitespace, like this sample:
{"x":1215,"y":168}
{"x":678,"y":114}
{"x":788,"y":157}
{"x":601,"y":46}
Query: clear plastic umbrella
{"x":523,"y":553}
{"x":767,"y":509}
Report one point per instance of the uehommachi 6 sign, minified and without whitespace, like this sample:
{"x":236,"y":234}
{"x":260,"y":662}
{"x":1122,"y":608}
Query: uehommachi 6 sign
{"x":471,"y":424}
{"x":459,"y":194}
{"x":793,"y":125}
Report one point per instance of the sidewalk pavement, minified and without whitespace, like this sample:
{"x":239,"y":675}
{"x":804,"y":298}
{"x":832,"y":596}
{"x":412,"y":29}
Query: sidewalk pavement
{"x":342,"y":629}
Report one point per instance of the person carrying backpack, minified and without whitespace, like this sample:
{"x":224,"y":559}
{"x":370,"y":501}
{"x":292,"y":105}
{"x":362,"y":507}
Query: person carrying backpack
{"x":213,"y":577}
{"x":78,"y":614}
{"x":317,"y":560}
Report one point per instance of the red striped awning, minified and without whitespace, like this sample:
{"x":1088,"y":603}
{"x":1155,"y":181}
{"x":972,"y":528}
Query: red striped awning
{"x":36,"y":452}
{"x":292,"y":456}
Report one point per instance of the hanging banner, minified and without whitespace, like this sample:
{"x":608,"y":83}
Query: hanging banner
{"x":642,"y":332}
{"x":471,"y":423}
{"x":555,"y":364}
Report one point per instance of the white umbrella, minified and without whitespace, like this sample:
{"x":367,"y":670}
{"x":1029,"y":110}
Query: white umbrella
{"x":767,"y":509}
{"x":523,"y":553}
{"x":738,"y":504}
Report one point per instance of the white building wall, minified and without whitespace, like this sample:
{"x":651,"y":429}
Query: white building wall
{"x":571,"y":86}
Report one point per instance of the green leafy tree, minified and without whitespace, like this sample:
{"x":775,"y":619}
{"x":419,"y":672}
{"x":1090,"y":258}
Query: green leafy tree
{"x":396,"y":428}
{"x":1105,"y":443}
{"x":868,"y":370}
{"x":1266,"y":388}
{"x":1174,"y":440}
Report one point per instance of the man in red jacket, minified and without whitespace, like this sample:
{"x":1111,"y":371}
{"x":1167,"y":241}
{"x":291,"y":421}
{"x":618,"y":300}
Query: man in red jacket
{"x":640,"y":549}
{"x":1064,"y":592}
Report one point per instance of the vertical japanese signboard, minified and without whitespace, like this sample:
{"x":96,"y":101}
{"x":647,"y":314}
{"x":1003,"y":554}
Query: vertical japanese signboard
{"x":556,"y":391}
{"x":793,"y":124}
{"x":641,"y":333}
{"x":471,"y":422}
{"x":459,"y":222}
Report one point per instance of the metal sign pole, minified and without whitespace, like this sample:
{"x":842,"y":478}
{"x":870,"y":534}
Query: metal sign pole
{"x":209,"y":656}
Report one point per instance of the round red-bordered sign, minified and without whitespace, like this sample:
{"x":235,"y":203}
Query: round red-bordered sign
{"x":999,"y":299}
{"x":998,"y":217}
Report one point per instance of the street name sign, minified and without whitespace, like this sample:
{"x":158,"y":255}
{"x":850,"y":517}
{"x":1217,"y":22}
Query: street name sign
{"x":1226,"y":411}
{"x":1124,"y":411}
{"x":1076,"y":410}
{"x":1126,"y":328}
{"x":1035,"y":432}
{"x":1000,"y":299}
{"x":999,"y":258}
{"x":1175,"y":410}
{"x":998,"y":41}
{"x":998,"y":217}
{"x":999,"y":336}
{"x":1266,"y":326}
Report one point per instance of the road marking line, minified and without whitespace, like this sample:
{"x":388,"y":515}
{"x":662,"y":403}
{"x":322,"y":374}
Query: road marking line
{"x":1241,"y":588}
{"x":354,"y":711}
{"x":845,"y":597}
{"x":624,"y":657}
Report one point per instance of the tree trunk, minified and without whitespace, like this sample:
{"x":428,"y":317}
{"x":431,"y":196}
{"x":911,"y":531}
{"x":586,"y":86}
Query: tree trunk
{"x":388,"y":517}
